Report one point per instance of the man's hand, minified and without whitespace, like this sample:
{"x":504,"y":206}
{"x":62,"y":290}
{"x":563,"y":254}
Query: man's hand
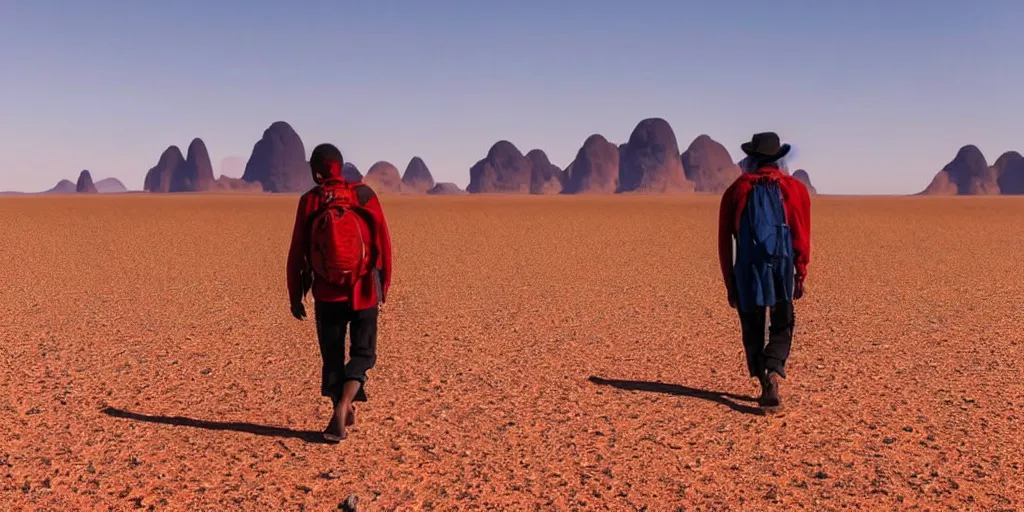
{"x":299,"y":310}
{"x":305,"y":282}
{"x":798,"y":288}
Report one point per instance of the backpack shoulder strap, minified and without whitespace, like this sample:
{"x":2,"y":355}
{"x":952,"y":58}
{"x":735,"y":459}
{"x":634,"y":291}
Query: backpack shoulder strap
{"x":363,"y":193}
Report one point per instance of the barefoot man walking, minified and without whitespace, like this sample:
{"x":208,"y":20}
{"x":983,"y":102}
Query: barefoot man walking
{"x":341,"y":249}
{"x":767,"y":213}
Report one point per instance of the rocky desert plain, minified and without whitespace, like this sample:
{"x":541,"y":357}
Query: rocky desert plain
{"x":554,"y":340}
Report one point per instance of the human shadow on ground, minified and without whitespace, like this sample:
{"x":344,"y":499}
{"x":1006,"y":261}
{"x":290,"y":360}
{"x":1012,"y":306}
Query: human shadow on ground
{"x":727,"y":399}
{"x":245,"y":428}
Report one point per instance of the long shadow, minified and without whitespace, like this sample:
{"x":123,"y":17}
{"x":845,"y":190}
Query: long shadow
{"x":729,"y":400}
{"x":246,"y":428}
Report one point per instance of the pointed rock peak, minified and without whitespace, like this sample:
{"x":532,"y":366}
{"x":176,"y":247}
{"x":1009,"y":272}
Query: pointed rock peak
{"x":159,"y":178}
{"x":351,"y":173}
{"x":538,"y":156}
{"x":383,"y":178}
{"x":171,"y":155}
{"x":596,"y":139}
{"x":85,"y":184}
{"x":802,"y":176}
{"x":445,"y":189}
{"x":595,"y":170}
{"x":967,"y":174}
{"x":545,"y":178}
{"x":280,"y":127}
{"x":63,"y":187}
{"x":1010,"y":171}
{"x":198,"y":147}
{"x":971,"y":156}
{"x":651,"y":130}
{"x":417,"y":176}
{"x":703,"y":139}
{"x":382,"y":167}
{"x":650,"y":161}
{"x":504,"y":171}
{"x":196,"y":174}
{"x":1007,"y":159}
{"x":503,"y":149}
{"x":110,"y":186}
{"x":278,"y":161}
{"x":708,"y":164}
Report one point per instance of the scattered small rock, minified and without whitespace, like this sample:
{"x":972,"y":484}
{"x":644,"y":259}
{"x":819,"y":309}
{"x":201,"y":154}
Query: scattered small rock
{"x":888,"y":440}
{"x":820,"y":475}
{"x":206,"y":371}
{"x":350,"y":503}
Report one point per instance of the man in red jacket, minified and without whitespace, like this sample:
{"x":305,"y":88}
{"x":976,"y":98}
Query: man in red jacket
{"x":766,"y":362}
{"x":336,"y":308}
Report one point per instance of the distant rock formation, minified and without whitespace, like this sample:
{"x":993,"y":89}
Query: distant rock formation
{"x":802,"y":176}
{"x":545,"y":177}
{"x":63,"y":187}
{"x":351,"y":173}
{"x":445,"y":189}
{"x":708,"y":164}
{"x":158,"y":179}
{"x":651,"y":162}
{"x":278,"y":161}
{"x":967,"y":174}
{"x":504,"y":171}
{"x":85,"y":184}
{"x":1009,"y":169}
{"x":417,"y":177}
{"x":196,"y":174}
{"x":595,"y":169}
{"x":110,"y":186}
{"x":383,"y":178}
{"x":229,"y":184}
{"x":232,"y":166}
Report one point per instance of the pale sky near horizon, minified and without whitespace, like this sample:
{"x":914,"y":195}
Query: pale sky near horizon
{"x":876,"y":95}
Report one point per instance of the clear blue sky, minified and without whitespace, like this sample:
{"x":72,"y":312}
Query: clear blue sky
{"x":876,"y":95}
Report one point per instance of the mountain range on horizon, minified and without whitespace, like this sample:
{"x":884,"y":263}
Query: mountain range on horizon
{"x":650,"y":162}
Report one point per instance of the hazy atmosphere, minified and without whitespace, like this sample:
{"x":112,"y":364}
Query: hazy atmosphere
{"x":875,"y":96}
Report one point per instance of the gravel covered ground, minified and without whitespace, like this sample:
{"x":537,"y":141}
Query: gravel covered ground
{"x":537,"y":353}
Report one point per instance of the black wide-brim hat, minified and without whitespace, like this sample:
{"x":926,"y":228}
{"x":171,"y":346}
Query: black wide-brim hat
{"x":765,"y":147}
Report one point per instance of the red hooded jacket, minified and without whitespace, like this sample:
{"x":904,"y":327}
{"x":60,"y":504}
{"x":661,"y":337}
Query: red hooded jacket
{"x":795,"y":200}
{"x":365,"y":293}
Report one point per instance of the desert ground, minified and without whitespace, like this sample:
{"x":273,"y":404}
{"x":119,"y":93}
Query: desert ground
{"x":536,"y":353}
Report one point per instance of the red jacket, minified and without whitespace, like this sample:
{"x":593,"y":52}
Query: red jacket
{"x":363,"y":294}
{"x":797,"y":203}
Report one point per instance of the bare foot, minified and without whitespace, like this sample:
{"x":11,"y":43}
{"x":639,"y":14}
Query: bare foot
{"x":335,"y":431}
{"x":351,"y":419}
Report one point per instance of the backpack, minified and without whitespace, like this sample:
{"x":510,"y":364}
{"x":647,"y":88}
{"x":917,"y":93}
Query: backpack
{"x":764,"y":268}
{"x":339,"y":251}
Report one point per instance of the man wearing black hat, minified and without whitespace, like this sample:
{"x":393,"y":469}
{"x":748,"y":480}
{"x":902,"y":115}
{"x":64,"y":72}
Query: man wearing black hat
{"x":766,"y":213}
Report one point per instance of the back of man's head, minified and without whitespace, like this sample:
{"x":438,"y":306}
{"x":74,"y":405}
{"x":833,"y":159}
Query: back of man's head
{"x":326,"y":162}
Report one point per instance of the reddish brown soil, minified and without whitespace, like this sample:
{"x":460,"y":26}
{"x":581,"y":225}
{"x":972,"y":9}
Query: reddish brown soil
{"x":538,"y":353}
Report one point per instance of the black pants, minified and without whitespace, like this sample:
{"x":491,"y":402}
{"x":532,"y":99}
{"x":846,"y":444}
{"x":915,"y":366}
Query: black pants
{"x":770,"y":357}
{"x":332,"y":320}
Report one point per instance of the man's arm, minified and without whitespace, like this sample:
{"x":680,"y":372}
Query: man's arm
{"x":297,"y":266}
{"x":799,"y":219}
{"x":726,"y":226}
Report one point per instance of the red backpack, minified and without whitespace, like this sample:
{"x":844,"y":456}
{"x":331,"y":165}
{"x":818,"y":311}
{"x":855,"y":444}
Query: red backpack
{"x":339,"y":252}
